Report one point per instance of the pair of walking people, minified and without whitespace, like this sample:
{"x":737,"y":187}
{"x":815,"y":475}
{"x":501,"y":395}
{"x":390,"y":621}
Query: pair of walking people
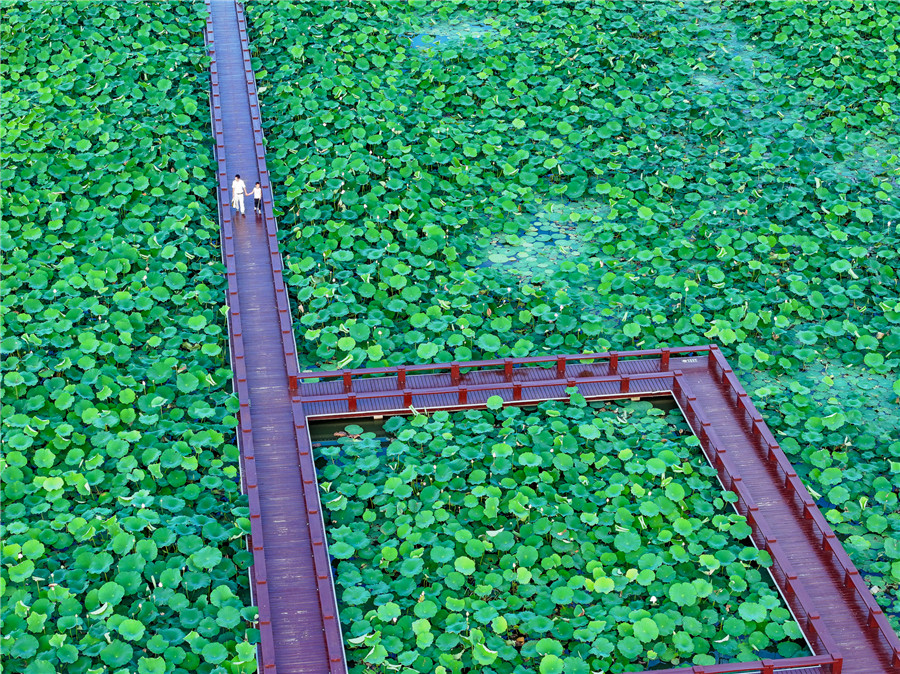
{"x":239,"y":189}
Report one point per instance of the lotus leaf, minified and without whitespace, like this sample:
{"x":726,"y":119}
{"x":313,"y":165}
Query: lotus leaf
{"x":110,"y":249}
{"x":503,"y":534}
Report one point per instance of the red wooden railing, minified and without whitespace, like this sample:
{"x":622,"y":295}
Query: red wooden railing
{"x":804,"y":502}
{"x":455,"y":368}
{"x":519,"y":390}
{"x":281,"y":296}
{"x":411,"y":392}
{"x":508,"y":378}
{"x":784,"y":574}
{"x":410,"y":389}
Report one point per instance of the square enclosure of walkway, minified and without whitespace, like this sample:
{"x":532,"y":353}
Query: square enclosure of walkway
{"x":782,"y":515}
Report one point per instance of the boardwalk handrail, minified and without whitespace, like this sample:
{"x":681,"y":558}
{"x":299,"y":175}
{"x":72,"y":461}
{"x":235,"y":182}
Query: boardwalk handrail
{"x":258,"y":578}
{"x":829,"y":660}
{"x":561,"y":361}
{"x":763,"y":537}
{"x":774,"y":454}
{"x":794,"y":592}
{"x":463,"y":391}
{"x":757,"y":667}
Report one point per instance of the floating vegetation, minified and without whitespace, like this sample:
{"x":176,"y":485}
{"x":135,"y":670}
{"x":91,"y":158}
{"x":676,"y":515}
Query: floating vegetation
{"x":572,"y":538}
{"x":123,"y":523}
{"x":746,"y":187}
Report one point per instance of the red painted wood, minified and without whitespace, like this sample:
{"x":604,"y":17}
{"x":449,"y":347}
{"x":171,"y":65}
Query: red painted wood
{"x":291,"y":574}
{"x":833,"y":607}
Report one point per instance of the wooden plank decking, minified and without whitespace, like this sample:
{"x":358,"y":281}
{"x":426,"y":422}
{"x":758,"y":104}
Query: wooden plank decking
{"x":291,"y":580}
{"x":861,"y":647}
{"x":291,"y":577}
{"x":838,"y":615}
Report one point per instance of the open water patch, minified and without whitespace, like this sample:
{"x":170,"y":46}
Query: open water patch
{"x":557,"y":233}
{"x":449,"y":34}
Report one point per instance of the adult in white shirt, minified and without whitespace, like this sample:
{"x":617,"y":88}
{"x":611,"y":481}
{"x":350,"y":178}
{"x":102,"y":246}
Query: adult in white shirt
{"x":238,"y":190}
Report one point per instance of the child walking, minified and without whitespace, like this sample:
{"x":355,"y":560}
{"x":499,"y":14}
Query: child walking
{"x":257,"y":198}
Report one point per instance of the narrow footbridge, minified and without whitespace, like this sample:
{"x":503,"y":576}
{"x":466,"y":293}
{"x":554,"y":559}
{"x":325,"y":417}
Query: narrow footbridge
{"x":291,"y":575}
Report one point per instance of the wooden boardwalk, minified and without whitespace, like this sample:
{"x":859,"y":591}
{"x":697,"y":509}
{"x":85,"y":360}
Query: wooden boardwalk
{"x":291,"y":575}
{"x":840,"y":619}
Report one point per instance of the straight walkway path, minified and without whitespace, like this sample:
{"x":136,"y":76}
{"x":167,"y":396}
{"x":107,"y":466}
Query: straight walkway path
{"x":295,"y":594}
{"x":862,"y":648}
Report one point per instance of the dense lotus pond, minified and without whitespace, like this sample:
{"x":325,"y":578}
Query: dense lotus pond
{"x":584,"y":177}
{"x":740,"y":159}
{"x":123,"y":522}
{"x":569,"y":538}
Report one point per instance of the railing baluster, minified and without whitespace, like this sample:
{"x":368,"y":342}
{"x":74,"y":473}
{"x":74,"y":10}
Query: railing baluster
{"x":560,"y":367}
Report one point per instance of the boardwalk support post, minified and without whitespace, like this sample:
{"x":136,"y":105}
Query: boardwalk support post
{"x":454,"y":374}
